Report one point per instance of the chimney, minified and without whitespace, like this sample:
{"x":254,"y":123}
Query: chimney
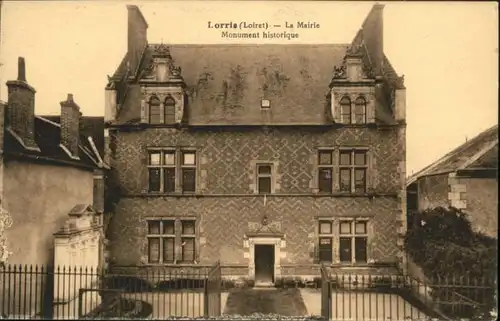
{"x":21,"y":108}
{"x":70,"y":126}
{"x":373,"y":36}
{"x":137,"y":37}
{"x":99,"y":188}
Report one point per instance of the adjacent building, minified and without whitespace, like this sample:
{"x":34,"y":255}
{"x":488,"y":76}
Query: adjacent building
{"x":466,"y":178}
{"x":49,"y":166}
{"x":261,"y":156}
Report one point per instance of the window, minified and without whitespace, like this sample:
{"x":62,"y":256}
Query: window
{"x":265,"y":104}
{"x":352,"y":171}
{"x":360,"y":111}
{"x":264,"y":178}
{"x":188,"y":171}
{"x":154,"y":110}
{"x":163,"y":237}
{"x":325,"y":171}
{"x":164,"y":170}
{"x":345,"y":110}
{"x":188,"y":241}
{"x":161,"y":241}
{"x":353,"y":241}
{"x":169,"y":110}
{"x":325,"y":241}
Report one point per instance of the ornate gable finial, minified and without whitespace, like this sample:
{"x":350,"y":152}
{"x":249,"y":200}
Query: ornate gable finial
{"x":160,"y":57}
{"x":354,"y":51}
{"x":162,"y":50}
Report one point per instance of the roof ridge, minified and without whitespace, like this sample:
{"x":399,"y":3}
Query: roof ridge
{"x":462,"y":147}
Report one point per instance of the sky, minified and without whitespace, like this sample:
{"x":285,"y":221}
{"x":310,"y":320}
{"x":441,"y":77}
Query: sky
{"x":448,"y":53}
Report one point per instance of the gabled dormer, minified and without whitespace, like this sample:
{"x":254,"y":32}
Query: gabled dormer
{"x":162,"y":89}
{"x":352,"y":89}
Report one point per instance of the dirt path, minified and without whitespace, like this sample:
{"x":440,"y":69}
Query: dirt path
{"x":286,"y":302}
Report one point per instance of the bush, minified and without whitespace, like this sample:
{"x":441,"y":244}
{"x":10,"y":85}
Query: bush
{"x":442,"y":242}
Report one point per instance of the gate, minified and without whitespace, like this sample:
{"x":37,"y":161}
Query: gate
{"x":326,"y":293}
{"x":212,"y":297}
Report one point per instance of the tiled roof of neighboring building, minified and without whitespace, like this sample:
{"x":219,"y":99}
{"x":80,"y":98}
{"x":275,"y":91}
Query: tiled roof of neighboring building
{"x":90,"y":126}
{"x":226,"y":83}
{"x":481,"y":152}
{"x":47,"y":137}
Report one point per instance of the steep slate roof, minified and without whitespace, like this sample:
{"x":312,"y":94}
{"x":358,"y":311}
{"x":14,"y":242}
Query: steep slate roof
{"x":225,"y":83}
{"x":47,"y":137}
{"x":478,"y":153}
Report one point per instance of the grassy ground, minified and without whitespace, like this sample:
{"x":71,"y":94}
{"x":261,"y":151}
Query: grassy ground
{"x":178,"y":304}
{"x":362,"y":306}
{"x":286,"y":302}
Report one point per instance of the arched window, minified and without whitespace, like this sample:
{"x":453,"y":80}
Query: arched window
{"x":154,"y":110}
{"x":360,"y":110}
{"x":169,"y":110}
{"x":345,"y":110}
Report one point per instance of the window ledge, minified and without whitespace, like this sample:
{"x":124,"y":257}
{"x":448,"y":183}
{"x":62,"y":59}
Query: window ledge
{"x":198,"y":194}
{"x":359,"y":265}
{"x":170,"y":264}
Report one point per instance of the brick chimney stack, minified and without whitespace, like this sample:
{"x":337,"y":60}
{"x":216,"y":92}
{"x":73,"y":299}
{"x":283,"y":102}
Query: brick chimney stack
{"x":137,"y":37}
{"x":21,"y":108}
{"x":70,"y":125}
{"x":373,"y":36}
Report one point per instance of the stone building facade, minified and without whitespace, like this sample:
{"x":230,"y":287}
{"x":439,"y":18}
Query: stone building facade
{"x":48,"y":164}
{"x":466,"y":178}
{"x":262,"y":157}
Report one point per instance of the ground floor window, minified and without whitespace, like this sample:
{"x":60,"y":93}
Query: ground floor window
{"x":353,"y":241}
{"x":164,"y":236}
{"x":346,"y":244}
{"x":325,"y":247}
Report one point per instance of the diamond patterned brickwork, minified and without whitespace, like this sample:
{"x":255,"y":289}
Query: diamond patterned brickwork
{"x":223,"y":222}
{"x":226,"y":156}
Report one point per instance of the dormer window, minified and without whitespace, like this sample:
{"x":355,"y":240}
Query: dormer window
{"x":345,"y":110}
{"x":360,"y":111}
{"x":265,"y":104}
{"x":154,"y":110}
{"x":169,"y":110}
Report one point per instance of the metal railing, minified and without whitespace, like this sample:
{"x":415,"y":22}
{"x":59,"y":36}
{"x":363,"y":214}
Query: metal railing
{"x":33,"y":292}
{"x":398,"y":297}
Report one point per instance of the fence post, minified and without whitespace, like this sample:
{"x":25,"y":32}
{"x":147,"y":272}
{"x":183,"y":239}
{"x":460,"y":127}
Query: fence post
{"x":205,"y":296}
{"x":326,"y":294}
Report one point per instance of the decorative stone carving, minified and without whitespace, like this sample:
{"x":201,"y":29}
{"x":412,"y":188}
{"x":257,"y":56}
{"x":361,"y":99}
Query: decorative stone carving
{"x":339,"y":72}
{"x":5,"y":223}
{"x":161,"y":67}
{"x":265,"y":228}
{"x":354,"y":51}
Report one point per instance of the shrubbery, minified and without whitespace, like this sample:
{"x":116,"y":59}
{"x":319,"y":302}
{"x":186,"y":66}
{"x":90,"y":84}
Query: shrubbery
{"x":442,"y":242}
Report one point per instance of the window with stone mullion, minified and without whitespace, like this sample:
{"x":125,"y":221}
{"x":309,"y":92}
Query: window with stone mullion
{"x":325,"y":244}
{"x":264,"y":178}
{"x":162,"y":170}
{"x":325,"y":171}
{"x":353,"y":241}
{"x":353,"y":166}
{"x":188,"y":241}
{"x":161,"y":241}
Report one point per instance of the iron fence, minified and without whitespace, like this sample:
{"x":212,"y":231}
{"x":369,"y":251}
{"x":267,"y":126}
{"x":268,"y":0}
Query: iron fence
{"x":34,"y":292}
{"x":351,"y":296}
{"x":39,"y":292}
{"x":213,"y":290}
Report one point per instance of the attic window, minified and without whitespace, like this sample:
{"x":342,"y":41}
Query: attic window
{"x":265,"y":104}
